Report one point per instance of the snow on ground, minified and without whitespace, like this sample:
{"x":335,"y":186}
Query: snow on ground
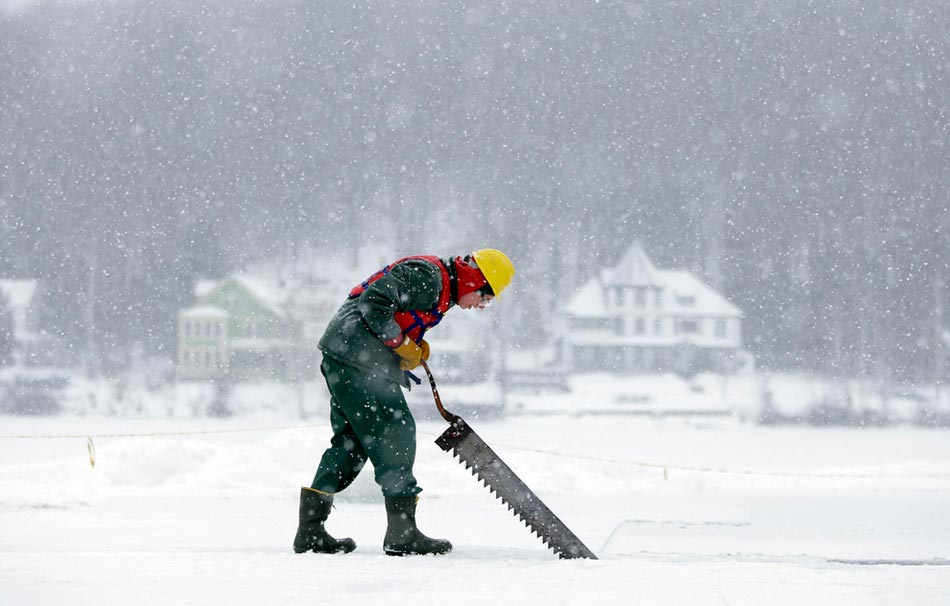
{"x":680,"y":511}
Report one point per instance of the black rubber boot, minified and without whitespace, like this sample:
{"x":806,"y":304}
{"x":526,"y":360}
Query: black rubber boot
{"x":311,"y":535}
{"x":402,"y":535}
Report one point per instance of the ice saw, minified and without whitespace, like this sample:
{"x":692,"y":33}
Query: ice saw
{"x":461,"y":441}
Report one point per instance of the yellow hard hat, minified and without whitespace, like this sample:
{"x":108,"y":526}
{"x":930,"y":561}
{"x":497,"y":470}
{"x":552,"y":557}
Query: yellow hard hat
{"x":496,"y":267}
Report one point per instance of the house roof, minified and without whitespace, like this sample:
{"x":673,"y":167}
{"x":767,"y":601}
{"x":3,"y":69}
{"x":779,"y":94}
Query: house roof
{"x":684,"y":294}
{"x":268,"y":293}
{"x":589,"y":301}
{"x":634,"y":269}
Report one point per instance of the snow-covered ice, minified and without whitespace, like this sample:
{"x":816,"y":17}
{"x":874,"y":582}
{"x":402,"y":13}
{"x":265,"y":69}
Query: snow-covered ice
{"x":680,"y":511}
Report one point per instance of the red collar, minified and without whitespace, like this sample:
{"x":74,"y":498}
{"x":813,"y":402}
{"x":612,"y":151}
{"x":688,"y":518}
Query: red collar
{"x":470,"y":278}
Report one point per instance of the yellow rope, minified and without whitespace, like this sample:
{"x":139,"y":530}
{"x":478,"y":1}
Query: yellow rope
{"x":645,"y":464}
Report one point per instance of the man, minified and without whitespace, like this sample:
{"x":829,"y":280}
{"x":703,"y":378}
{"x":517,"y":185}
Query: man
{"x":375,"y":338}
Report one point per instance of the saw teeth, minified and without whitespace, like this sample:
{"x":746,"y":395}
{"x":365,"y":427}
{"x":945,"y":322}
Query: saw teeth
{"x":496,"y":469}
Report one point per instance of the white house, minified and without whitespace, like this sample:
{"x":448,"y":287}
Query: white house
{"x":637,"y":318}
{"x":34,"y":346}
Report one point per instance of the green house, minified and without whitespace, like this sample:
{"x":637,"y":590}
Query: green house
{"x":240,"y":329}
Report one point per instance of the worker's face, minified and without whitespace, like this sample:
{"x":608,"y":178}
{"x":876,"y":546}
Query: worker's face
{"x":475,"y":300}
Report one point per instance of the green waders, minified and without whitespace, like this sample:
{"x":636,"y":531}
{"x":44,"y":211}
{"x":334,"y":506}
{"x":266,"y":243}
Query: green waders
{"x":370,"y":419}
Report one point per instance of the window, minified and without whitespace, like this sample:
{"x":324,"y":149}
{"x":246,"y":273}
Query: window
{"x":657,"y":326}
{"x":617,"y":325}
{"x":658,"y":298}
{"x":615,"y":358}
{"x":640,"y":296}
{"x":720,"y":328}
{"x":639,"y":326}
{"x":584,"y":358}
{"x":618,"y":297}
{"x":686,"y":326}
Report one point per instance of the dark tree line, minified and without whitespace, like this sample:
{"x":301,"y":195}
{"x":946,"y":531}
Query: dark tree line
{"x":794,"y":153}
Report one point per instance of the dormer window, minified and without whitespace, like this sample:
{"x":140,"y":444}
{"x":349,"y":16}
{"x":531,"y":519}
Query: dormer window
{"x":685,"y":300}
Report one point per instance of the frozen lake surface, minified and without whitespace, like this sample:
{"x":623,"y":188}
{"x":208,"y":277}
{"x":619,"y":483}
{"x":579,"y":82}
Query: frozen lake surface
{"x":679,"y":511}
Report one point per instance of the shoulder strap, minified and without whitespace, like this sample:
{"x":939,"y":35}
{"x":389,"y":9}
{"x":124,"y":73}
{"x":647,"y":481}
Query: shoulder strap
{"x":449,"y":265}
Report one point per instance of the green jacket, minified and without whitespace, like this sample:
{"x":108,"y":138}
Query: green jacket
{"x":356,"y":333}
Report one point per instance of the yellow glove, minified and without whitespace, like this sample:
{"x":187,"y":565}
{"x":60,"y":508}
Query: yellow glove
{"x":411,"y":353}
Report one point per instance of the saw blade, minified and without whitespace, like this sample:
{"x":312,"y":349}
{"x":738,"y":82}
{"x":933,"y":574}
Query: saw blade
{"x":462,"y":441}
